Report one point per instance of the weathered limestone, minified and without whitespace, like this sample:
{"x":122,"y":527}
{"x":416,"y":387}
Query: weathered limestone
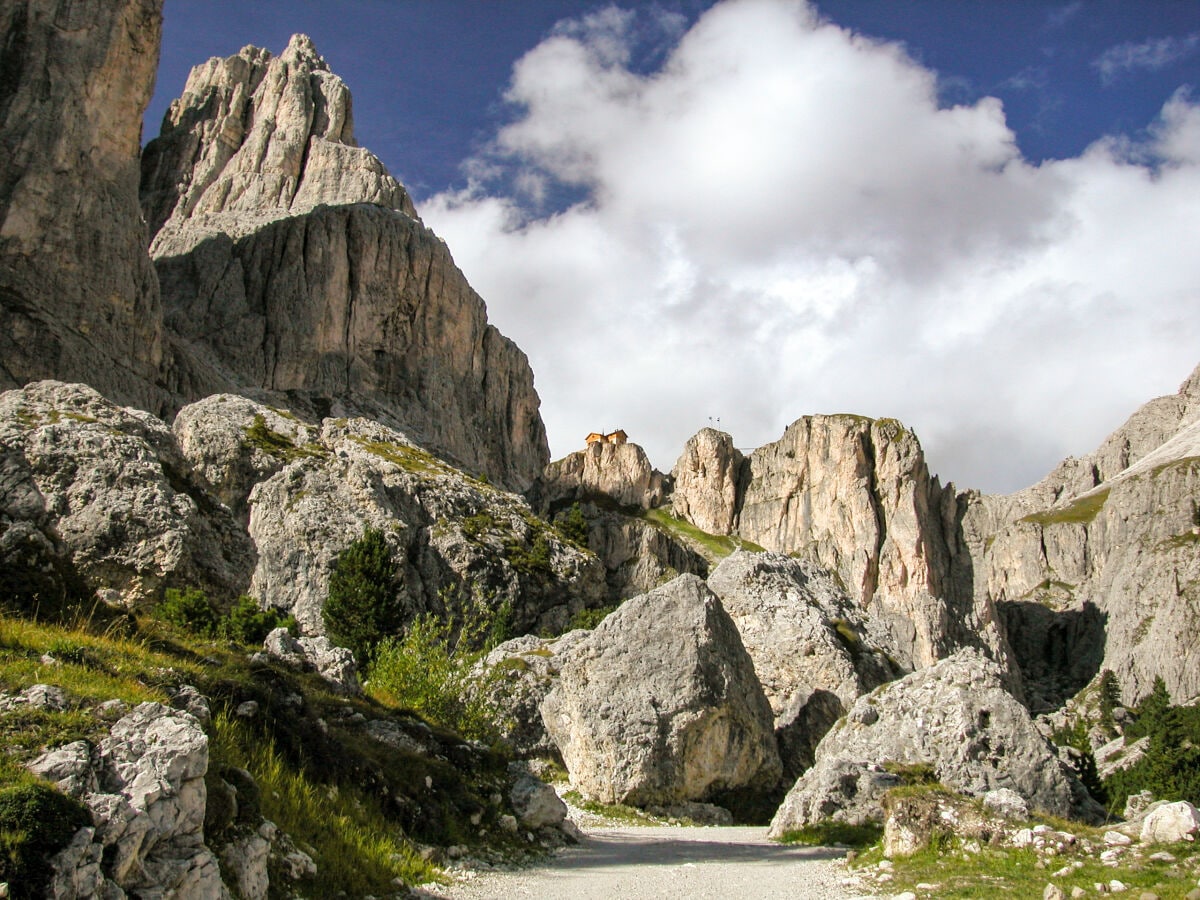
{"x":112,"y":485}
{"x":1099,"y":570}
{"x":144,"y":785}
{"x":79,"y":300}
{"x":618,"y":474}
{"x":709,"y":482}
{"x":954,"y":716}
{"x":808,"y":641}
{"x":854,"y":495}
{"x":660,"y":704}
{"x":292,"y":263}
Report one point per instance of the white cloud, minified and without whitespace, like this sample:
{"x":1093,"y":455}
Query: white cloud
{"x":781,"y":219}
{"x":1152,"y":54}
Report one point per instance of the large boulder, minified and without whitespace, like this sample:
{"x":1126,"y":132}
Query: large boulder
{"x":79,"y":300}
{"x":144,"y":785}
{"x":111,"y":484}
{"x":660,"y":704}
{"x":809,"y":642}
{"x":955,"y":717}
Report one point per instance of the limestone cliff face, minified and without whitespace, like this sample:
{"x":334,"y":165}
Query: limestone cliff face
{"x":78,"y":297}
{"x":854,"y":495}
{"x":1097,"y":566}
{"x":618,"y":474}
{"x":292,"y":262}
{"x":708,"y":481}
{"x":254,"y":137}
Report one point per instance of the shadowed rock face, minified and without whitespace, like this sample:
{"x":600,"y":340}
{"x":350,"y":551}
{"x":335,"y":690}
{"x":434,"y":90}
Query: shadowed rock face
{"x":78,"y":297}
{"x":292,"y":262}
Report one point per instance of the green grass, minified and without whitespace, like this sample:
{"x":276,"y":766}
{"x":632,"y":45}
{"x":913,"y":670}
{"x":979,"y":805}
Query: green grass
{"x":827,"y":834}
{"x":260,"y":435}
{"x":715,"y":547}
{"x":1011,"y":872}
{"x":408,"y":458}
{"x":1082,"y":511}
{"x":356,"y":848}
{"x":1184,"y":463}
{"x":618,"y":812}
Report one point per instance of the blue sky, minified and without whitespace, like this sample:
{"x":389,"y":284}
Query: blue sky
{"x":962,"y":214}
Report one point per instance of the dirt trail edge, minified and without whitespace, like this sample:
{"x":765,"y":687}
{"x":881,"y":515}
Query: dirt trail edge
{"x":669,"y":862}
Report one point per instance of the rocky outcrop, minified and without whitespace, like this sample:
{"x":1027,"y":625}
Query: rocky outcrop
{"x":232,"y":443}
{"x":144,"y":785}
{"x":854,"y":495}
{"x":252,"y":137}
{"x":955,"y":717}
{"x":79,"y":299}
{"x":709,"y":482}
{"x":291,"y":262}
{"x":1096,"y":567}
{"x":516,"y":677}
{"x":809,"y":643}
{"x":660,"y":704}
{"x":454,"y":539}
{"x":335,"y":664}
{"x":609,"y":474}
{"x":111,"y":484}
{"x":637,"y":556}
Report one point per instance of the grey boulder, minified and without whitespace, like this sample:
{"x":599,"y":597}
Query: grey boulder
{"x":660,"y":704}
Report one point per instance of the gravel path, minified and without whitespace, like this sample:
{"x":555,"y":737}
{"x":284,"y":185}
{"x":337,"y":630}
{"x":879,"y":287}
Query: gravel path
{"x":669,"y":862}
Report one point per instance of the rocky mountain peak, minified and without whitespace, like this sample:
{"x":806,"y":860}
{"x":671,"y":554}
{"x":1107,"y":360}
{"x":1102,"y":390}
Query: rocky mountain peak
{"x":255,"y":138}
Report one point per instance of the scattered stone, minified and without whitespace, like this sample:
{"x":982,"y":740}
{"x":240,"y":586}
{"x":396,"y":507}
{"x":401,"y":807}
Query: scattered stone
{"x":247,"y":709}
{"x":535,"y":802}
{"x":1116,"y":839}
{"x":1053,"y":892}
{"x":1007,"y":803}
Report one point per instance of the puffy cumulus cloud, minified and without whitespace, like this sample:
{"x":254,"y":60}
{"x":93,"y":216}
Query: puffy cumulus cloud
{"x":781,"y":218}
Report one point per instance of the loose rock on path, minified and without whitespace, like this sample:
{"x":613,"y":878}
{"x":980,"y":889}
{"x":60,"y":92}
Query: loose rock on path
{"x":689,"y":863}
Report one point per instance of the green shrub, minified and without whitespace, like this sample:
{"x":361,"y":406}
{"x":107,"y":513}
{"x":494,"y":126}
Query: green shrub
{"x":829,"y":832}
{"x":590,"y":618}
{"x":36,"y":822}
{"x":427,"y":671}
{"x":189,"y":609}
{"x":364,"y":605}
{"x":1171,"y":767}
{"x":248,"y":623}
{"x":532,"y":559}
{"x":573,"y":525}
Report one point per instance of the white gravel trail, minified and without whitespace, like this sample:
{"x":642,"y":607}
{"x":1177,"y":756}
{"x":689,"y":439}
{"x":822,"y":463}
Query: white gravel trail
{"x":669,"y":862}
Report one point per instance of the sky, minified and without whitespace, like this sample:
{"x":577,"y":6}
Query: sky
{"x":978,"y":217}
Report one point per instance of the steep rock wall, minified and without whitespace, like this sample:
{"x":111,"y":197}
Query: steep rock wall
{"x":78,"y":296}
{"x":854,"y":495}
{"x":1100,"y":569}
{"x":292,"y":262}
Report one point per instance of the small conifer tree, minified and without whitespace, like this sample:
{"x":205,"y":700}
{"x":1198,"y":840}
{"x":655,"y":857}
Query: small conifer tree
{"x":363,"y":606}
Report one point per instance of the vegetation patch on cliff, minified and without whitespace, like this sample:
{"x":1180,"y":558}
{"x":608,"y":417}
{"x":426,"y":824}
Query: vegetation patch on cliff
{"x":714,"y":547}
{"x":1081,"y":511}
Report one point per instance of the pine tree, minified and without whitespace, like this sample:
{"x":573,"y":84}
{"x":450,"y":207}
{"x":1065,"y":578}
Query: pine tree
{"x":363,"y":605}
